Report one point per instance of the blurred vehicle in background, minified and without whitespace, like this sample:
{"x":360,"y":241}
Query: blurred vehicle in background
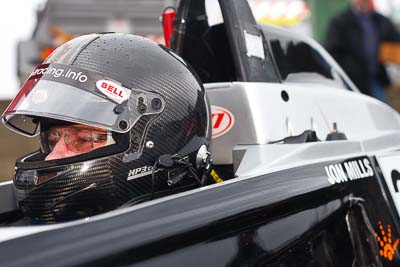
{"x":60,"y":21}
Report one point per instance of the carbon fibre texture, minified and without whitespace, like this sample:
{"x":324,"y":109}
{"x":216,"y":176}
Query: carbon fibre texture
{"x":100,"y":184}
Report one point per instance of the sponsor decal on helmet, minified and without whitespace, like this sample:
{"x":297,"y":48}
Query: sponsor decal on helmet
{"x":39,"y":97}
{"x":348,"y":171}
{"x":222,"y":121}
{"x":387,"y":248}
{"x":112,"y":90}
{"x":59,"y":72}
{"x":140,"y":172}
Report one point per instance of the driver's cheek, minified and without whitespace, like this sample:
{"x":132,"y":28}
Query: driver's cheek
{"x":98,"y":145}
{"x":60,"y":151}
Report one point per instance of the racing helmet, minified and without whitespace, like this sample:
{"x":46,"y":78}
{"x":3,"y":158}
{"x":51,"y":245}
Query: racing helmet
{"x":138,"y":98}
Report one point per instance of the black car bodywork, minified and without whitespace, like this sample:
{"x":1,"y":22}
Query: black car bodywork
{"x":291,"y":218}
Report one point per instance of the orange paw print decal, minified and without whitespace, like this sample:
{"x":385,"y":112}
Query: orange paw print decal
{"x":387,"y":247}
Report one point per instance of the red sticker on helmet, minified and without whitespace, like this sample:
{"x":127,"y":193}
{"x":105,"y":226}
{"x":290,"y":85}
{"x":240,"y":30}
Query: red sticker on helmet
{"x":222,"y":121}
{"x":112,"y":90}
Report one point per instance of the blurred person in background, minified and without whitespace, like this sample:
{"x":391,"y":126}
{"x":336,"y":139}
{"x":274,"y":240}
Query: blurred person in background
{"x":353,"y":39}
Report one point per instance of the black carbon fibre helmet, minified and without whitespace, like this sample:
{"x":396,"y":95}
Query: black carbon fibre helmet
{"x":143,"y":94}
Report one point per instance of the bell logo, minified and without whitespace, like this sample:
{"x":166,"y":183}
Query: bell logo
{"x":112,"y":90}
{"x":387,"y":248}
{"x":222,"y":121}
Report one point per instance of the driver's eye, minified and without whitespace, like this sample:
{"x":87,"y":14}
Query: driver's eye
{"x":84,"y":140}
{"x":54,"y":137}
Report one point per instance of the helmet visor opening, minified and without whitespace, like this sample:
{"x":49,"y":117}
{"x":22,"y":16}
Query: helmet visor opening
{"x":72,"y":140}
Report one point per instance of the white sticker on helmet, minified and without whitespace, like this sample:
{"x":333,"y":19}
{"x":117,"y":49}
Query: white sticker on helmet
{"x":113,"y":90}
{"x":39,"y":97}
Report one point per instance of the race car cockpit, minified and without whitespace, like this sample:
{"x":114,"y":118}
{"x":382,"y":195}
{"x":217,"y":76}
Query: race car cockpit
{"x":239,"y":60}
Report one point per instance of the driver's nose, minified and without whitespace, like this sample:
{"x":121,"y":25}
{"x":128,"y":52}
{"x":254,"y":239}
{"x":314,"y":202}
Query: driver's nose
{"x":60,"y":151}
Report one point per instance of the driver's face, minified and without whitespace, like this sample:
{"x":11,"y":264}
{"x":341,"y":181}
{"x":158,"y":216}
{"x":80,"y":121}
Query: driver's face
{"x":364,"y":6}
{"x":73,"y":140}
